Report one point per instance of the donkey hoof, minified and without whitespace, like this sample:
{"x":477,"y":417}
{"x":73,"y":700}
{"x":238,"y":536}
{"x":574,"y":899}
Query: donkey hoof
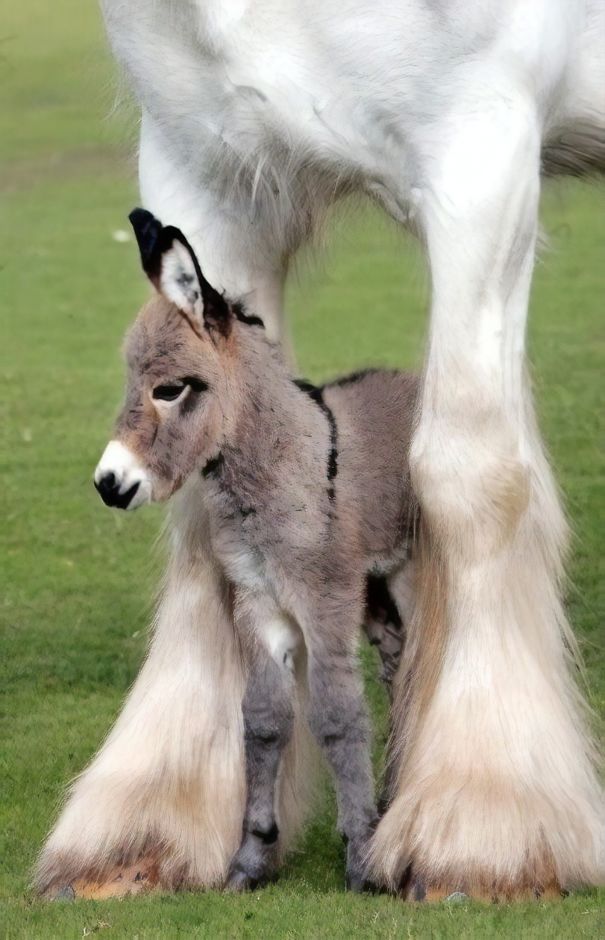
{"x":239,"y":880}
{"x":359,"y":884}
{"x":356,"y":873}
{"x":356,"y":880}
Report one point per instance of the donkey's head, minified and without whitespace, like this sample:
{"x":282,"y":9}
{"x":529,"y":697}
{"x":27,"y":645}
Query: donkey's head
{"x":180,"y":388}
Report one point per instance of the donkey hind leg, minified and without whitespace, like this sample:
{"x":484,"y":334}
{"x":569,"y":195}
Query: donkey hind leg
{"x":339,"y":721}
{"x":496,"y":791}
{"x":389,"y":607}
{"x":268,"y":710}
{"x":389,"y":604}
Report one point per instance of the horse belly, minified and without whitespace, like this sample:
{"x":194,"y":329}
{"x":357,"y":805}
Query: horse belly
{"x":264,"y":93}
{"x":261,"y":96}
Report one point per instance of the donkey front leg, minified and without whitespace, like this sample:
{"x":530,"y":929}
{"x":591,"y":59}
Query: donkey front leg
{"x":268,"y":711}
{"x":495,"y":793}
{"x":339,"y":720}
{"x":268,"y":719}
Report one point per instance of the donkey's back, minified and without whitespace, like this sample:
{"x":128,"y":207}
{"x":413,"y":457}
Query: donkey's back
{"x":374,"y":415}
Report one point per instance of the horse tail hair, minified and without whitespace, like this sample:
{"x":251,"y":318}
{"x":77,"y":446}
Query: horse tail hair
{"x":576,"y":152}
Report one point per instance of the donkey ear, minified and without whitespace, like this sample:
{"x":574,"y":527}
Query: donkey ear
{"x":172,"y":267}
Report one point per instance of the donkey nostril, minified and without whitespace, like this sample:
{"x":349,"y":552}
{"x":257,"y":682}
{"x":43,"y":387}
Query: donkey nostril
{"x":107,"y":488}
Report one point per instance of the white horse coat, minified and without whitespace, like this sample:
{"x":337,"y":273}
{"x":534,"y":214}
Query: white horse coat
{"x":256,"y":117}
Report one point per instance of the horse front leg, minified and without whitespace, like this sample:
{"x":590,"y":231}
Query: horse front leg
{"x":495,"y":793}
{"x":146,"y":810}
{"x":239,"y":250}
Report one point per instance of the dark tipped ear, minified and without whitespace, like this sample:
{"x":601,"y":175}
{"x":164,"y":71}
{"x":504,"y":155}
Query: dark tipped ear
{"x":147,"y":230}
{"x":172,"y":267}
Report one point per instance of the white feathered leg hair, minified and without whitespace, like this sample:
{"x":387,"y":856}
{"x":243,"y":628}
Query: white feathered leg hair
{"x":496,"y":791}
{"x":167,"y":787}
{"x":166,"y":792}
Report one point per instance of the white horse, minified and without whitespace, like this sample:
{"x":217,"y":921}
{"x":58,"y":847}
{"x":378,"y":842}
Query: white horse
{"x":256,"y":117}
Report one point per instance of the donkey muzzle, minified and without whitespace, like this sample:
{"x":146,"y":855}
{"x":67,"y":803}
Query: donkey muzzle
{"x":108,"y":489}
{"x":120,"y":480}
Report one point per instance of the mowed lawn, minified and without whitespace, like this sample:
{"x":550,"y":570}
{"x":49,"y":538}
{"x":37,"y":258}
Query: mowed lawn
{"x":78,"y":580}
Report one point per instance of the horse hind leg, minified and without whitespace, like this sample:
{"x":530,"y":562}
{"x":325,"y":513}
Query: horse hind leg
{"x":576,"y":143}
{"x":496,"y":793}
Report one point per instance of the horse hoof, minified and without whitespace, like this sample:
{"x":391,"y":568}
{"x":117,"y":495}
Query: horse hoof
{"x":418,"y":890}
{"x":64,"y":893}
{"x":122,"y":881}
{"x":456,"y":897}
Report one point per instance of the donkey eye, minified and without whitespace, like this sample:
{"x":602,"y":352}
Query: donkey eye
{"x":168,"y":392}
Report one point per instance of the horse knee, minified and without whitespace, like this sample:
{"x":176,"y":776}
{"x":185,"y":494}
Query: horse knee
{"x":471,"y":480}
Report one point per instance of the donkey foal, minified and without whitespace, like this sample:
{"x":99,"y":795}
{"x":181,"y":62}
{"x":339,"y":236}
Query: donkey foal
{"x":310,"y":509}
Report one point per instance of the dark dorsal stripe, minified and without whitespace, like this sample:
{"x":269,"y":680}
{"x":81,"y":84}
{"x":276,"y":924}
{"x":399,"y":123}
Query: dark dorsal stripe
{"x":315,"y":393}
{"x":352,"y":378}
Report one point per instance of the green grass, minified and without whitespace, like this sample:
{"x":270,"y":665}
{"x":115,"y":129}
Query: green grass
{"x":78,"y":580}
